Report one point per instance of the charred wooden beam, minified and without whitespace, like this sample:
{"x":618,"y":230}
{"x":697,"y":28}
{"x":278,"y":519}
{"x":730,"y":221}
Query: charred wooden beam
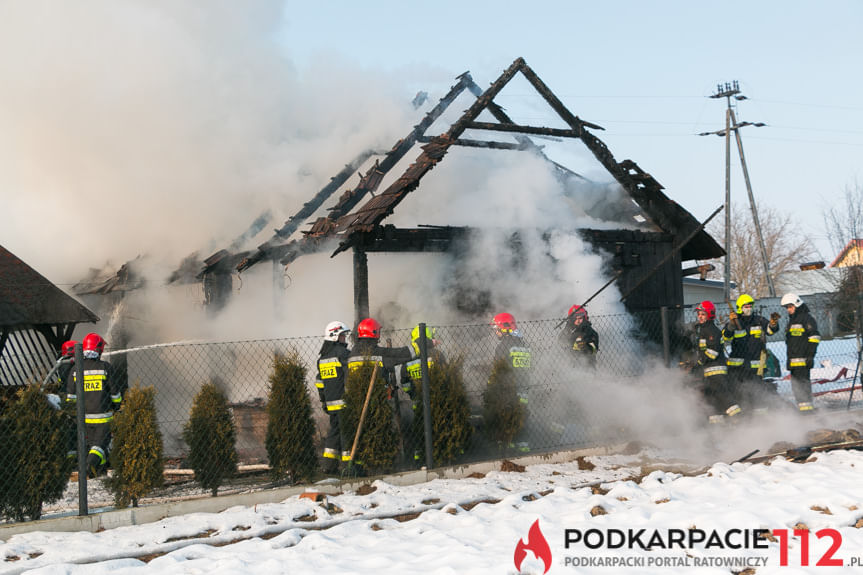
{"x":427,"y":239}
{"x":539,"y":131}
{"x":381,"y":206}
{"x":484,"y":144}
{"x":351,"y":198}
{"x":361,"y":284}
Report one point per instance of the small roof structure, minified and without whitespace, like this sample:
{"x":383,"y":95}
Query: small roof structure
{"x":30,"y":303}
{"x":851,"y":254}
{"x":28,"y":299}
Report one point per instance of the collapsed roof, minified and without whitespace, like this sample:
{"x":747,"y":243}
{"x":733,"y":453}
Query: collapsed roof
{"x":344,"y":224}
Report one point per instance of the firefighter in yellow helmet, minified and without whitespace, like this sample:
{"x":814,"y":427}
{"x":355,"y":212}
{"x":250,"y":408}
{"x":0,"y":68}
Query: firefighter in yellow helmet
{"x":747,"y":331}
{"x":411,"y":383}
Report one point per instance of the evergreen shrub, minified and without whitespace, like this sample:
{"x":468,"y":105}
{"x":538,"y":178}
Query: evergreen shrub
{"x":378,"y":444}
{"x":34,"y":467}
{"x":136,"y":455}
{"x":503,"y":413}
{"x":290,"y":427}
{"x":211,"y":436}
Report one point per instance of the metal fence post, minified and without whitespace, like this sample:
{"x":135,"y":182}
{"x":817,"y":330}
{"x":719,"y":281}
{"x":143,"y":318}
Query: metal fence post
{"x":666,"y":337}
{"x":424,"y":369}
{"x":82,"y":440}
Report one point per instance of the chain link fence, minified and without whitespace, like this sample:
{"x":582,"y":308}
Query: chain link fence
{"x":558,"y":397}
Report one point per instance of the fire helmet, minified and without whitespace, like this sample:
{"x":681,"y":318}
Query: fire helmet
{"x":504,"y":323}
{"x":68,"y":348}
{"x":708,"y":308}
{"x":577,"y":311}
{"x":791,"y":299}
{"x":369,"y":328}
{"x":742,"y":301}
{"x":415,"y":333}
{"x":334,"y":329}
{"x":94,"y":342}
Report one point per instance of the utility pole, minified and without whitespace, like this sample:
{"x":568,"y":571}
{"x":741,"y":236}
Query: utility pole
{"x":728,"y":91}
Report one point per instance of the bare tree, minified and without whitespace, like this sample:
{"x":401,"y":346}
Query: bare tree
{"x":786,"y":247}
{"x":843,"y":222}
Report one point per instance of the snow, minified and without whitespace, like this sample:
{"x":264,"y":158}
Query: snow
{"x":473,"y":525}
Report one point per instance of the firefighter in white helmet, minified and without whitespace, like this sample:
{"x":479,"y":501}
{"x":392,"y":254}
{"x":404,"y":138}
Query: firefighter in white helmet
{"x":801,"y":340}
{"x":332,"y":365}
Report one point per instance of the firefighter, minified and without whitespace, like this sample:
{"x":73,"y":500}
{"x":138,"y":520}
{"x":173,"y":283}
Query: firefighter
{"x":332,"y":364}
{"x":368,"y":352}
{"x":580,"y":337}
{"x":747,"y":332}
{"x":711,"y":365}
{"x":411,"y":382}
{"x":516,"y":352}
{"x":67,"y":362}
{"x":102,"y":397}
{"x":801,"y":340}
{"x":368,"y":349}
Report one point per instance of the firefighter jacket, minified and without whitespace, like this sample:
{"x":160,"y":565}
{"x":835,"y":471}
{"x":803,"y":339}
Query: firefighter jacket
{"x":64,"y":373}
{"x":747,"y":340}
{"x":711,"y":351}
{"x":581,"y":338}
{"x":801,"y":338}
{"x":332,"y":366}
{"x":102,"y":394}
{"x":412,"y":376}
{"x":368,"y":352}
{"x":516,"y":352}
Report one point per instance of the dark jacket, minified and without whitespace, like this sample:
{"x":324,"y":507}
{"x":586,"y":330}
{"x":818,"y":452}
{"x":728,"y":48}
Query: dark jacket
{"x":581,"y":339}
{"x":411,"y":372}
{"x":801,"y":338}
{"x":102,"y":393}
{"x":711,"y":351}
{"x":747,"y":341}
{"x":368,"y":352}
{"x":332,"y":366}
{"x":516,"y":352}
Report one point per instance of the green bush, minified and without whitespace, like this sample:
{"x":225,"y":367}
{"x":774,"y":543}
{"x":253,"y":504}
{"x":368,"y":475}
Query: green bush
{"x":33,"y":457}
{"x":450,"y":413}
{"x":378,"y":445}
{"x":136,"y":455}
{"x":290,"y":427}
{"x":211,"y":436}
{"x":503,"y":414}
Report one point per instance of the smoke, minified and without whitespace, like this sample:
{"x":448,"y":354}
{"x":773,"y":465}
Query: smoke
{"x":162,"y":129}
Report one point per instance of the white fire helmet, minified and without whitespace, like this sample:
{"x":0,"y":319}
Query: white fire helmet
{"x":334,"y":330}
{"x":791,"y":299}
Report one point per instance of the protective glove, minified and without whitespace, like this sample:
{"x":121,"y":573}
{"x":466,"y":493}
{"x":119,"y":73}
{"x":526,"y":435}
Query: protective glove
{"x":732,"y":316}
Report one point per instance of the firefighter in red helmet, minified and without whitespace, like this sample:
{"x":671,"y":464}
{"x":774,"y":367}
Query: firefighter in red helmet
{"x":368,"y":352}
{"x":512,"y":349}
{"x":67,"y":362}
{"x":580,"y":338}
{"x":711,"y":365}
{"x":102,"y":397}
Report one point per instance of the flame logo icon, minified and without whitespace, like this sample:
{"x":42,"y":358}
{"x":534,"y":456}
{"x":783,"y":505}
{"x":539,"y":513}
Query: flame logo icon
{"x":537,"y":544}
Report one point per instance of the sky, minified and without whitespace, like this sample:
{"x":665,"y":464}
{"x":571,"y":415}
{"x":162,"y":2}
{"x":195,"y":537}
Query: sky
{"x":163,"y":129}
{"x":644,"y":72}
{"x":474,"y":525}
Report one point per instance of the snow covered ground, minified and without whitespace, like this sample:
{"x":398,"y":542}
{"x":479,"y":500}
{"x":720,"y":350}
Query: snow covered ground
{"x":475,"y":525}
